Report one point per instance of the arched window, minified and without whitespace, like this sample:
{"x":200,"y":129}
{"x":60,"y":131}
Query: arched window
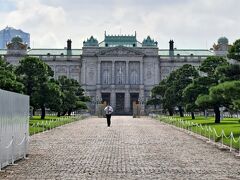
{"x":106,"y":77}
{"x":134,"y":77}
{"x":120,"y":74}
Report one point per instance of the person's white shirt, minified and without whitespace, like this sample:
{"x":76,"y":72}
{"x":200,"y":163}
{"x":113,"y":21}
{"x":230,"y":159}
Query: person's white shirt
{"x":108,"y":109}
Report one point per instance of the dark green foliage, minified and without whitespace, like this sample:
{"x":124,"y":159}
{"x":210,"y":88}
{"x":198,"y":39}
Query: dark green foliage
{"x":234,"y":51}
{"x":210,"y":64}
{"x":227,"y":93}
{"x":170,"y":91}
{"x":35,"y":75}
{"x":228,"y":72}
{"x":8,"y":78}
{"x":72,"y":95}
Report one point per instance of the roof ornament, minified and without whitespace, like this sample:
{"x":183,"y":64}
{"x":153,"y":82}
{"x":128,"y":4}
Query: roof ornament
{"x":149,"y":42}
{"x":91,"y":42}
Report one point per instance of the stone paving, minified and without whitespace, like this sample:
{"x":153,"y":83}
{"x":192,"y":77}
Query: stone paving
{"x":130,"y":149}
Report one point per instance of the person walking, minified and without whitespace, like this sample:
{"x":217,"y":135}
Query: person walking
{"x":108,"y":110}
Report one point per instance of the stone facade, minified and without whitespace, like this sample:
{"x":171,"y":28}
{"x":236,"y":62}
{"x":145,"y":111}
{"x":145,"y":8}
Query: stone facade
{"x":118,"y":70}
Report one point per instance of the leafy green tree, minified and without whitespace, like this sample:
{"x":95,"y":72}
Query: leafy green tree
{"x":157,"y":94}
{"x":228,"y":72}
{"x":35,"y":75}
{"x":209,"y":66}
{"x":73,"y":95}
{"x":54,"y":97}
{"x":177,"y":82}
{"x":199,"y":86}
{"x":227,"y":93}
{"x":8,"y":78}
{"x":234,"y":51}
{"x":169,"y":92}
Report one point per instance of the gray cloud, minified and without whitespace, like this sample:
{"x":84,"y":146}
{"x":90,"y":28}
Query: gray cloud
{"x":192,"y":24}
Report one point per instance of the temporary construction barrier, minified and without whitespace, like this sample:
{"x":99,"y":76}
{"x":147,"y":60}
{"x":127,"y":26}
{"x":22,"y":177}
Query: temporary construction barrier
{"x":14,"y":123}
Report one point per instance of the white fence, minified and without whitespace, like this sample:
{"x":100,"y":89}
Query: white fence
{"x":203,"y":130}
{"x":14,"y":123}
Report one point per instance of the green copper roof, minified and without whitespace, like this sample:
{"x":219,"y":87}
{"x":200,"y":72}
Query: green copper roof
{"x":223,"y":40}
{"x":120,"y":40}
{"x":54,"y":52}
{"x":186,"y":52}
{"x":91,"y":42}
{"x":149,"y":42}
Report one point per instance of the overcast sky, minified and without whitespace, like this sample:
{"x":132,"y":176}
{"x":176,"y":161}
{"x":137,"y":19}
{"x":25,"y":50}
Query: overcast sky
{"x":190,"y":23}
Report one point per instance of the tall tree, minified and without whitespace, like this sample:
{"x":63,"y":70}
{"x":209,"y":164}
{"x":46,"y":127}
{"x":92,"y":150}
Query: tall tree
{"x":157,"y":94}
{"x":73,"y":95}
{"x":209,"y":66}
{"x":8,"y":78}
{"x":227,"y":93}
{"x":192,"y":91}
{"x":35,"y":75}
{"x":177,"y":82}
{"x":228,"y":72}
{"x":234,"y":51}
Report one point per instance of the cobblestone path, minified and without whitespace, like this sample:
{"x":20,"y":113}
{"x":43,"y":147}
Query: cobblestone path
{"x":130,"y":149}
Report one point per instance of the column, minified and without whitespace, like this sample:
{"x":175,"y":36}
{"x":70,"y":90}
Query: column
{"x":113,"y":72}
{"x":127,"y":72}
{"x":113,"y":99}
{"x":83,"y":73}
{"x":142,"y":97}
{"x":97,"y":99}
{"x":99,"y":73}
{"x":127,"y":101}
{"x":141,"y":72}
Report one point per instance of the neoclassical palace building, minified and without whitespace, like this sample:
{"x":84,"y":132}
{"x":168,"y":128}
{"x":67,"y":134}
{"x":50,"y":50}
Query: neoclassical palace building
{"x":119,"y":69}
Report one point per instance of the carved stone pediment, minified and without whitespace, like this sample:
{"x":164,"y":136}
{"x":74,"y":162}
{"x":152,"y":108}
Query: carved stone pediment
{"x":120,"y":51}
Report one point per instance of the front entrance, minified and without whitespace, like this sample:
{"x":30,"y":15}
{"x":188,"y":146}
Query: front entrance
{"x":133,"y":97}
{"x":119,"y":103}
{"x":106,"y":98}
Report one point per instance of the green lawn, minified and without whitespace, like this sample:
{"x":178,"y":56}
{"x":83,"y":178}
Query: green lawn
{"x":36,"y":124}
{"x":228,"y":125}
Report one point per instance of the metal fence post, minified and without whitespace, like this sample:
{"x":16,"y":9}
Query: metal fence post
{"x":222,"y":138}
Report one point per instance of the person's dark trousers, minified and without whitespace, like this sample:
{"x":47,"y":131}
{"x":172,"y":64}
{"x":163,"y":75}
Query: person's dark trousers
{"x":108,"y":119}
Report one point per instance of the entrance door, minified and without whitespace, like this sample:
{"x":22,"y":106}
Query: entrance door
{"x":119,"y":103}
{"x":106,"y":98}
{"x":133,"y":97}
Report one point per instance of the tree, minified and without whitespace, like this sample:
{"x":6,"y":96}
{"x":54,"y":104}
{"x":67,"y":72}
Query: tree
{"x":157,"y":94}
{"x":228,"y":93}
{"x":199,"y":86}
{"x":8,"y":78}
{"x":228,"y":72}
{"x":209,"y":66}
{"x":234,"y":51}
{"x":35,"y":75}
{"x":73,"y":95}
{"x":177,"y":82}
{"x":48,"y":96}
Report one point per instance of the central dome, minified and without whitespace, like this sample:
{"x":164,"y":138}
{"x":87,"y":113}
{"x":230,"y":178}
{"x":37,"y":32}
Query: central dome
{"x":223,"y":40}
